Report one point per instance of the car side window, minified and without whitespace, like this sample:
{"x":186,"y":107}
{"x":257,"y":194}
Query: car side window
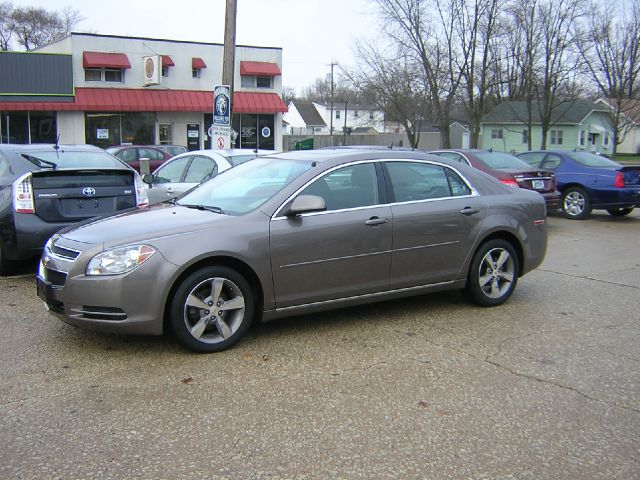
{"x":171,"y":172}
{"x":534,"y":158}
{"x":348,"y":187}
{"x":413,"y":181}
{"x":201,"y":169}
{"x":150,"y":153}
{"x":127,"y":155}
{"x":551,"y":161}
{"x":457,"y":185}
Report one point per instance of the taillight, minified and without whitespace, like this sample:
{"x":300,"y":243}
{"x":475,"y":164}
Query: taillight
{"x":142,"y":199}
{"x":619,"y":181}
{"x":509,"y":182}
{"x":23,"y":195}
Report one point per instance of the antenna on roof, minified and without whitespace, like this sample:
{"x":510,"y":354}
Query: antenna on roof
{"x":491,"y":150}
{"x":57,"y":146}
{"x":390,"y":147}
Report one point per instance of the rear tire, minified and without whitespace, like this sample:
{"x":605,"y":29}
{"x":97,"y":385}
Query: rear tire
{"x":212,"y":309}
{"x":576,"y":204}
{"x":619,"y":212}
{"x":493,"y":274}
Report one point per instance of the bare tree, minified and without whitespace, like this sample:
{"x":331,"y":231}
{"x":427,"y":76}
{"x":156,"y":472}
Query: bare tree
{"x":476,"y":28}
{"x":6,"y":26}
{"x":609,"y":43}
{"x":36,"y":27}
{"x":392,"y":84}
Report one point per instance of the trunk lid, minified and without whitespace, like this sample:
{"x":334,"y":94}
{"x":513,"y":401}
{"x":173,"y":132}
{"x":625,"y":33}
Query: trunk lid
{"x":72,"y":195}
{"x":538,"y":180}
{"x":631,"y":175}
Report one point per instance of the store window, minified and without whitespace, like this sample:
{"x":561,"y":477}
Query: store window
{"x":14,"y":127}
{"x":108,"y":129}
{"x":42,"y":126}
{"x":254,"y":131}
{"x":264,"y":82}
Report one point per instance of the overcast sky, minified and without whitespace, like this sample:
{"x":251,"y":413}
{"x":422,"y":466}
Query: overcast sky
{"x":311,"y":33}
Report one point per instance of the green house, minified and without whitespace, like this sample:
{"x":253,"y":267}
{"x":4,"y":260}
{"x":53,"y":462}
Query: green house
{"x":579,"y":125}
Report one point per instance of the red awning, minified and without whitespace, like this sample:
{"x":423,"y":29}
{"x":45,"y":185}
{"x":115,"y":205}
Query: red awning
{"x":198,"y":63}
{"x":260,"y":68}
{"x":167,"y":61}
{"x":107,"y":60}
{"x":147,"y":100}
{"x":249,"y":102}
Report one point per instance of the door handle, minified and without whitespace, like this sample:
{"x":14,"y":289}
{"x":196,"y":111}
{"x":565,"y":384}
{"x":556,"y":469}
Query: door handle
{"x":376,"y":221}
{"x":469,"y":211}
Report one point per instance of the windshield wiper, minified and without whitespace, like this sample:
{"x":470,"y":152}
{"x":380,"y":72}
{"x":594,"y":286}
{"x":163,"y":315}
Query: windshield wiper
{"x":38,"y":162}
{"x":204,"y":207}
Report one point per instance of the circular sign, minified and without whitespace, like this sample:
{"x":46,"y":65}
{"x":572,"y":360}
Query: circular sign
{"x":266,"y":132}
{"x":220,"y":142}
{"x":149,"y":67}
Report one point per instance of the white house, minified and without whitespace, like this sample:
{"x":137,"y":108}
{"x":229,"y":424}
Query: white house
{"x":304,"y":119}
{"x":350,"y":116}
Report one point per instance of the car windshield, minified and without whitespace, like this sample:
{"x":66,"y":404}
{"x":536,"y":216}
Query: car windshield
{"x":244,"y":188}
{"x":75,"y":159}
{"x":500,"y":160}
{"x":592,"y":160}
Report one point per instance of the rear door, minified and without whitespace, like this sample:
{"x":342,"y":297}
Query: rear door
{"x":436,"y":220}
{"x":75,"y":195}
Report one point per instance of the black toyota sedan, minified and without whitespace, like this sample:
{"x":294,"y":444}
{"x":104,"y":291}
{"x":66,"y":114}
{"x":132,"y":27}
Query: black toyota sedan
{"x":44,"y":188}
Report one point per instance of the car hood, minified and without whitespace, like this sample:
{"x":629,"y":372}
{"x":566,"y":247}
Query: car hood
{"x":145,"y":225}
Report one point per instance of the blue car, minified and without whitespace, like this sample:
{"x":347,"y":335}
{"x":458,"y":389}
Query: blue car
{"x":588,"y":181}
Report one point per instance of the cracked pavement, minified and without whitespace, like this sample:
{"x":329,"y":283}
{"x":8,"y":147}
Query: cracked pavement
{"x":545,"y":386}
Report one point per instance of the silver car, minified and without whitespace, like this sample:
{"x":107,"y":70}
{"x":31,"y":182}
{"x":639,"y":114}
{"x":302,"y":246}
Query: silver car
{"x":295,"y":233}
{"x":185,"y":171}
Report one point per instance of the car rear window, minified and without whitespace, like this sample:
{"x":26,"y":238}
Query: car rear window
{"x":238,"y":159}
{"x":73,"y":159}
{"x":500,"y":160}
{"x":592,"y":160}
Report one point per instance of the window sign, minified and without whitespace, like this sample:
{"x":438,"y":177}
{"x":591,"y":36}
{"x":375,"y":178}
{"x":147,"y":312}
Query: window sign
{"x":102,"y":134}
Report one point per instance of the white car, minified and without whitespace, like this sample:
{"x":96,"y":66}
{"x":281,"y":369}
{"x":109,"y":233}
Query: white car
{"x":187,"y":170}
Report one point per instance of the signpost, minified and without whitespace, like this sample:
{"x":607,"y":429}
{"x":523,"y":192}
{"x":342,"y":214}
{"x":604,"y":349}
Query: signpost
{"x":220,"y":131}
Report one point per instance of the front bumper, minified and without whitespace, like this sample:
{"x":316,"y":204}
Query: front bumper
{"x":131,"y":303}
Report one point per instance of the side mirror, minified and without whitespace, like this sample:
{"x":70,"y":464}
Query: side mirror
{"x":306,"y":204}
{"x":147,"y":178}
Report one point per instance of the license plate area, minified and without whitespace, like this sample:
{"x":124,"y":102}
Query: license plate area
{"x":537,"y":184}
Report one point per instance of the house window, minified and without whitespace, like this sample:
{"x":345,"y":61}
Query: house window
{"x":581,"y":139}
{"x":92,"y":75}
{"x":525,"y":136}
{"x":263,"y":82}
{"x":605,"y":140}
{"x":195,"y":72}
{"x":165,"y":71}
{"x":113,"y":75}
{"x":355,"y":113}
{"x":371,"y":115}
{"x":496,"y":133}
{"x":556,"y":137}
{"x":337,"y":113}
{"x":247,"y":81}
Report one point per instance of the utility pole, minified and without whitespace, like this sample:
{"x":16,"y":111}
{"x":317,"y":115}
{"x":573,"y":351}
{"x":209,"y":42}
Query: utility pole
{"x":332,"y":64}
{"x":229,"y":56}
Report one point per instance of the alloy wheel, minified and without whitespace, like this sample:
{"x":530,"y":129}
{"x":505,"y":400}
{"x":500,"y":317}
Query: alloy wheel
{"x":496,"y":273}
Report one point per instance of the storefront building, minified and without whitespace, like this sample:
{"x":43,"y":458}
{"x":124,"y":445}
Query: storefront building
{"x":110,"y":90}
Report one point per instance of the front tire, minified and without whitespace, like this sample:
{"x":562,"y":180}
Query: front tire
{"x":576,"y":204}
{"x":212,"y":309}
{"x":619,"y":212}
{"x":493,"y":274}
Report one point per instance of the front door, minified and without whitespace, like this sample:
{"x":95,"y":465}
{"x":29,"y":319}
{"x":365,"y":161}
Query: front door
{"x":342,"y":252}
{"x":193,"y":136}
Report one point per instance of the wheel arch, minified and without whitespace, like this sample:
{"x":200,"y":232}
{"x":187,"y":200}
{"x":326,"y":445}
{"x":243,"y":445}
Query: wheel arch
{"x":214,"y":261}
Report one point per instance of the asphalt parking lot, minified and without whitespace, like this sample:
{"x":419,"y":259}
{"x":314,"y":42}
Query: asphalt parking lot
{"x":546,"y":386}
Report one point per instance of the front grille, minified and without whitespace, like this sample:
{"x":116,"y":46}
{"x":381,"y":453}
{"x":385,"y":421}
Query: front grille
{"x":64,"y":252}
{"x":54,"y":277}
{"x":91,"y":312}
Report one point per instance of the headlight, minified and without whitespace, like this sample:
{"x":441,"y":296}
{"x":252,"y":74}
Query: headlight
{"x":119,"y":260}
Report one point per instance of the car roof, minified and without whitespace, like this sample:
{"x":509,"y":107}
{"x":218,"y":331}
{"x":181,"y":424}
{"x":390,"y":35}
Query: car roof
{"x":41,"y":147}
{"x":347,"y":154}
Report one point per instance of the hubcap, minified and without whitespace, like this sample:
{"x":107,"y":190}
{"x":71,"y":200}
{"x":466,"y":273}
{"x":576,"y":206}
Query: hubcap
{"x":496,"y":273}
{"x":214,"y":310}
{"x":574,"y":203}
